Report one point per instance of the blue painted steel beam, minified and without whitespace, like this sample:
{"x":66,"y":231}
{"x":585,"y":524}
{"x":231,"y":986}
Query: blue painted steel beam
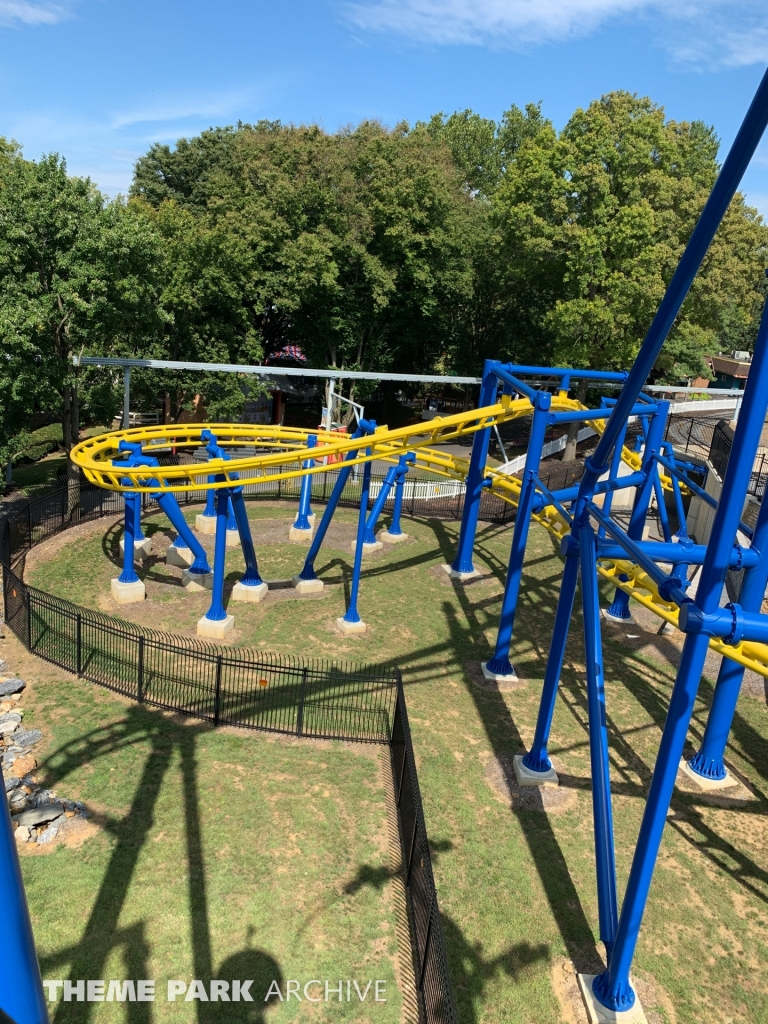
{"x":352,"y":614}
{"x":305,"y":497}
{"x":251,"y":577}
{"x":395,"y":530}
{"x":217,"y":612}
{"x":662,"y":551}
{"x":578,"y":415}
{"x":617,"y":376}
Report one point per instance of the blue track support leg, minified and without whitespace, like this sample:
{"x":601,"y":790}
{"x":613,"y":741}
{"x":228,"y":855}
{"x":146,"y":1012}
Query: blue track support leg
{"x":352,"y":614}
{"x":175,"y":516}
{"x":605,"y":859}
{"x":128,"y":575}
{"x":500,"y":664}
{"x":612,"y":988}
{"x":138,"y":533}
{"x":537,"y":758}
{"x":21,"y":987}
{"x":395,"y":529}
{"x":251,"y":578}
{"x":308,"y":571}
{"x":210,"y":500}
{"x":471,"y":511}
{"x":217,"y":611}
{"x":378,"y":505}
{"x":709,"y":761}
{"x":231,"y":521}
{"x":305,"y":498}
{"x":619,"y":609}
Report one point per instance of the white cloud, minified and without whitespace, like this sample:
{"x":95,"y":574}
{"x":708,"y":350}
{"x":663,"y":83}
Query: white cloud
{"x":488,"y":21}
{"x":21,"y":12}
{"x":171,"y":111}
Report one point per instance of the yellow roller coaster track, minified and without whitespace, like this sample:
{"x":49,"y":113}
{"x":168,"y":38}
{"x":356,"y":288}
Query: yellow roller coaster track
{"x":94,"y":457}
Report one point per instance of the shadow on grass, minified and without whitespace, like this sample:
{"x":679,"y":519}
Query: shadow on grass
{"x":101,"y":934}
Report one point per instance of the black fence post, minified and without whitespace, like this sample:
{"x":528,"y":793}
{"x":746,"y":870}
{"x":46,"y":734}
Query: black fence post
{"x":79,"y":635}
{"x":217,"y":695}
{"x":140,"y":672}
{"x":302,"y":697}
{"x":28,"y":596}
{"x":426,"y":942}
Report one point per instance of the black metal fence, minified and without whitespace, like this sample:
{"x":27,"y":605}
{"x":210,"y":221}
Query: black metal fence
{"x":720,"y":451}
{"x":430,"y":961}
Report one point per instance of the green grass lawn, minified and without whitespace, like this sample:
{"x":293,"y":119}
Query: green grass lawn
{"x":516,"y":885}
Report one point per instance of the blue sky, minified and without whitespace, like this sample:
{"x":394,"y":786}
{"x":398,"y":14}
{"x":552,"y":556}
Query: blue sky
{"x":100,"y":80}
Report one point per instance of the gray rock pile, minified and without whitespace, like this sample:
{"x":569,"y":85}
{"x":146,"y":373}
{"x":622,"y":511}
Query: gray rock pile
{"x":37,"y":814}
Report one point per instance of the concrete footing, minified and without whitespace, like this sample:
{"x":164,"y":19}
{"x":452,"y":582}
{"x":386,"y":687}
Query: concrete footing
{"x":599,"y":1014}
{"x":215,"y":629}
{"x":180,"y":557}
{"x":460,"y":577}
{"x":307,"y":586}
{"x":497,"y":677}
{"x":205,"y":524}
{"x":141,"y":548}
{"x":128,"y":593}
{"x":245,"y":592}
{"x":705,"y":784}
{"x":351,"y":627}
{"x":392,"y":538}
{"x":194,"y":581}
{"x":368,"y":549}
{"x":525,"y":777}
{"x":233,"y":538}
{"x":297,"y":536}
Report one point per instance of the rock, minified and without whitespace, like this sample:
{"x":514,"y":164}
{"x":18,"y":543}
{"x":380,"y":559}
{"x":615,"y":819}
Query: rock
{"x":11,"y":782}
{"x":45,"y":796}
{"x":24,"y":765}
{"x":12,"y":716}
{"x":21,"y":835}
{"x":6,"y":705}
{"x":9,"y":726}
{"x":27,"y":738}
{"x":58,"y":822}
{"x":19,"y":802}
{"x":49,"y":834}
{"x":40,"y":815}
{"x":11,"y":686}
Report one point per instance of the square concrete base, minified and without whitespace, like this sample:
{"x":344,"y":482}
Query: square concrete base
{"x":217,"y":629}
{"x":392,"y":538}
{"x":460,"y":577}
{"x":128,"y":593}
{"x":181,"y":557}
{"x":525,"y":777}
{"x":205,"y":524}
{"x":141,"y":548}
{"x":233,"y":538}
{"x":368,"y":549}
{"x":599,"y":1014}
{"x":297,"y":536}
{"x":311,"y":517}
{"x":707,"y":785}
{"x":351,"y":627}
{"x":307,"y":586}
{"x":194,"y":581}
{"x":243,"y":592}
{"x":496,"y":677}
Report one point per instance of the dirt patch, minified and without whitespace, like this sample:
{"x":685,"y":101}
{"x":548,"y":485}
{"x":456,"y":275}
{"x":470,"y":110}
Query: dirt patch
{"x":48,"y":549}
{"x":72,"y":834}
{"x":475,"y":675}
{"x":500,"y":776}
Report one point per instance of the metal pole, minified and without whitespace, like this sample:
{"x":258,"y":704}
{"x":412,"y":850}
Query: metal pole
{"x":126,"y":397}
{"x":351,"y":614}
{"x":612,"y":988}
{"x":500,"y":664}
{"x":305,"y":497}
{"x":251,"y":577}
{"x":217,"y":612}
{"x":128,"y":575}
{"x":471,"y":511}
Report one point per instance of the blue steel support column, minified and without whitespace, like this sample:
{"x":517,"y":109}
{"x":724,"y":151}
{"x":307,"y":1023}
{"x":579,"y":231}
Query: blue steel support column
{"x":537,"y":759}
{"x":395,"y":529}
{"x":251,"y":577}
{"x":378,"y":505}
{"x":351,"y":614}
{"x":128,"y":575}
{"x":605,"y":859}
{"x":170,"y":507}
{"x":217,"y":611}
{"x":500,"y":664}
{"x":21,"y":987}
{"x":612,"y":988}
{"x":305,"y":498}
{"x":231,"y":521}
{"x":708,"y":762}
{"x":210,"y":500}
{"x":308,"y":571}
{"x":478,"y":458}
{"x":138,"y":533}
{"x":619,"y":609}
